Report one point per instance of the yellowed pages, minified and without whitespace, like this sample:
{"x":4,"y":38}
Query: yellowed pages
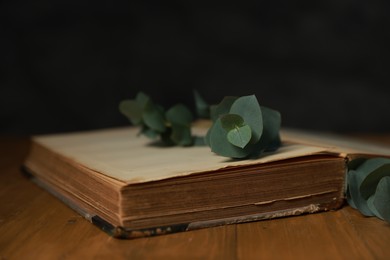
{"x":334,"y":143}
{"x":123,"y":155}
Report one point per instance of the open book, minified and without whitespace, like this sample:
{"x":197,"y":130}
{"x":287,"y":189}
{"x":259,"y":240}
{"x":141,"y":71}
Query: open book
{"x":132,"y":187}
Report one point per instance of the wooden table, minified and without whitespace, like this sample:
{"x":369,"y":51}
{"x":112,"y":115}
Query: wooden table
{"x":35,"y":225}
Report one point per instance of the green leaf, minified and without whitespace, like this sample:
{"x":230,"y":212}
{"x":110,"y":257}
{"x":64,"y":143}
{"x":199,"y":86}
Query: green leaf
{"x":368,"y":187}
{"x":142,"y":99}
{"x":208,"y":134}
{"x":355,"y":163}
{"x":202,"y":108}
{"x":240,"y":136}
{"x":354,"y":179}
{"x":181,"y":135}
{"x":270,"y":138}
{"x":150,"y":133}
{"x":179,"y":115}
{"x":153,"y":117}
{"x":382,"y":198}
{"x":222,"y":108}
{"x":374,"y":170}
{"x":349,"y":197}
{"x":165,"y":137}
{"x":220,"y":145}
{"x":199,"y":141}
{"x":132,"y":110}
{"x":249,"y":109}
{"x":261,"y":127}
{"x":372,"y":207}
{"x":231,"y":121}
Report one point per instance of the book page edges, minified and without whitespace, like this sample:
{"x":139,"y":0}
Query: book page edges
{"x":121,"y":232}
{"x":105,"y":146}
{"x":342,"y":145}
{"x":122,"y":155}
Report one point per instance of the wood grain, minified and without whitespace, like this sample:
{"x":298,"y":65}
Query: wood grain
{"x":35,"y":225}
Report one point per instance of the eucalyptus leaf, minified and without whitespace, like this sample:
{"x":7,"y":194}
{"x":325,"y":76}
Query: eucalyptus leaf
{"x":213,"y":112}
{"x":240,"y":128}
{"x":132,"y":110}
{"x":377,"y":168}
{"x":181,"y":135}
{"x":150,"y":133}
{"x":249,"y":109}
{"x":220,"y":145}
{"x":349,"y":197}
{"x":270,"y":138}
{"x":231,"y":121}
{"x":153,"y":117}
{"x":199,"y":141}
{"x":208,"y":134}
{"x":238,"y":133}
{"x":354,"y":179}
{"x":202,"y":108}
{"x":372,"y":207}
{"x":369,"y":187}
{"x":240,"y":136}
{"x":222,"y":108}
{"x":382,"y":198}
{"x":355,"y":163}
{"x":142,"y":99}
{"x":244,"y":125}
{"x":166,"y":137}
{"x":179,"y":115}
{"x":173,"y":126}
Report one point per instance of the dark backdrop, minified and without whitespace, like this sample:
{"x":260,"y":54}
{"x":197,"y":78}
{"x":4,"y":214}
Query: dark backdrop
{"x":65,"y":65}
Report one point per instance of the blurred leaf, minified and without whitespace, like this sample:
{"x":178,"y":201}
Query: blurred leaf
{"x":354,"y":179}
{"x":372,"y":207}
{"x":270,"y":138}
{"x":199,"y":141}
{"x":179,"y":115}
{"x":249,"y":109}
{"x":208,"y":134}
{"x":355,"y":163}
{"x":142,"y":99}
{"x":374,"y":170}
{"x":153,"y":117}
{"x":213,"y":112}
{"x":165,"y":137}
{"x":369,"y":187}
{"x":348,"y":195}
{"x":181,"y":135}
{"x":236,"y":132}
{"x":132,"y":110}
{"x":149,"y":132}
{"x":202,"y":108}
{"x":382,"y":198}
{"x":222,"y":108}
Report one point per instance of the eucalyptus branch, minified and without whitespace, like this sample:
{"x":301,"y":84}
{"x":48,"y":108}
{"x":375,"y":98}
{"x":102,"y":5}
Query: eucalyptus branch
{"x":241,"y":127}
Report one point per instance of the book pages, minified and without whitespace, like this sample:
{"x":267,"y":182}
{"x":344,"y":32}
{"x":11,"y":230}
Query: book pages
{"x":342,"y":145}
{"x":124,"y":155}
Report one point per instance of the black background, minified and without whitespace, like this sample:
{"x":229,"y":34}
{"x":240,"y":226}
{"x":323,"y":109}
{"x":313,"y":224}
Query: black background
{"x":65,"y":65}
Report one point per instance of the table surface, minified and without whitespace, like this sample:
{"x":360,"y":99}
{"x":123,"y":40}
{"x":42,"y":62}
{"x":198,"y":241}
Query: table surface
{"x":35,"y":225}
